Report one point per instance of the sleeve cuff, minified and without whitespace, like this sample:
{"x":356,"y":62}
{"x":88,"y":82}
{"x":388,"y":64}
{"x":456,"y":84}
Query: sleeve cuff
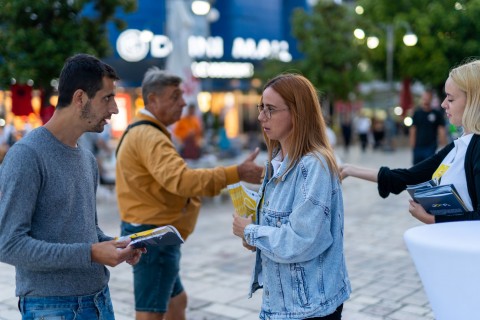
{"x":250,"y":234}
{"x":232,"y":174}
{"x":382,"y":182}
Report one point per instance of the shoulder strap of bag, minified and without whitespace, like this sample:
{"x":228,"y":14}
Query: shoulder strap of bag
{"x":138,"y":123}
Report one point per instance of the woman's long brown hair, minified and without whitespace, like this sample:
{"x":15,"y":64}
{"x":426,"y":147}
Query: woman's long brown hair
{"x":309,"y":132}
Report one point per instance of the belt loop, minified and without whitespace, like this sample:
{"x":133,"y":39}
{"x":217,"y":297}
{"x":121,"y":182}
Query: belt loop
{"x":95,"y":301}
{"x":79,"y":306}
{"x":104,"y":294}
{"x":21,"y":307}
{"x":96,"y":296}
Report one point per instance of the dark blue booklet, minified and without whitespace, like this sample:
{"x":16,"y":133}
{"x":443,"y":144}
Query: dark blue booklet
{"x":440,"y":200}
{"x":161,"y":236}
{"x":427,"y":184}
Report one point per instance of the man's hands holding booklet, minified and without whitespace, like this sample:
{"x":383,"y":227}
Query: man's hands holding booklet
{"x":129,"y":248}
{"x":112,"y":253}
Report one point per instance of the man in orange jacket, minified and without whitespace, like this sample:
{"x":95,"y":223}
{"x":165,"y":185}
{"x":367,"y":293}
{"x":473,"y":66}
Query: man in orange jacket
{"x":189,"y":131}
{"x":155,"y":187}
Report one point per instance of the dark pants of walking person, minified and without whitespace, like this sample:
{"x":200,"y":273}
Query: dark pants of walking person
{"x":422,"y":153}
{"x":347,"y":135}
{"x":337,"y":315}
{"x":363,"y":141}
{"x":378,"y":138}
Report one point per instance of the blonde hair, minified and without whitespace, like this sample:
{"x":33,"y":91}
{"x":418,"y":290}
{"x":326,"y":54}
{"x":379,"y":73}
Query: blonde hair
{"x":467,"y":78}
{"x":309,"y":133}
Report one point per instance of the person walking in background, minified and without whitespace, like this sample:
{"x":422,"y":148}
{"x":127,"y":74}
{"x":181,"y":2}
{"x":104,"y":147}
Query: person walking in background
{"x":155,"y":187}
{"x":363,"y":125}
{"x":189,"y":131}
{"x":390,"y":132}
{"x":4,"y":145}
{"x":378,"y":132}
{"x":298,"y":240}
{"x":49,"y":228}
{"x":99,"y":146}
{"x":10,"y":133}
{"x":458,"y":163}
{"x":346,"y":126}
{"x":332,"y":136}
{"x":427,"y":130}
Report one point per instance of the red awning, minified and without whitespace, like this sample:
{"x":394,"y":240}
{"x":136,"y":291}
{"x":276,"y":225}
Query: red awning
{"x":406,"y":98}
{"x":21,"y":99}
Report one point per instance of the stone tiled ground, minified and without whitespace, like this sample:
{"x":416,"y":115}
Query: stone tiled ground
{"x":216,"y":268}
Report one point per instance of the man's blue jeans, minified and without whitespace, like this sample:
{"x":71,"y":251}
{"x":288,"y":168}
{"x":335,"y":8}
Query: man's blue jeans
{"x":422,"y":153}
{"x":91,"y":307}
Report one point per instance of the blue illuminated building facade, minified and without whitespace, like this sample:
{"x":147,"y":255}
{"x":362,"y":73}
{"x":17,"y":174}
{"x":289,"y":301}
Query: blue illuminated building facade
{"x":244,"y":19}
{"x":220,"y":55}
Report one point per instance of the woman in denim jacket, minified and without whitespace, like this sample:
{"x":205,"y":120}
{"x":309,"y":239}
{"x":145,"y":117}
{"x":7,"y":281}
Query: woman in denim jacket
{"x":299,"y":236}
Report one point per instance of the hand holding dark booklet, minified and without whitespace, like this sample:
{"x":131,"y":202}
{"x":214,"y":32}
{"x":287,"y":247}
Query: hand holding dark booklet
{"x":438,"y":200}
{"x":161,"y":236}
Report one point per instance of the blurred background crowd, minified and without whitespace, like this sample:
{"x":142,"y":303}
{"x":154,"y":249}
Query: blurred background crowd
{"x":371,"y":60}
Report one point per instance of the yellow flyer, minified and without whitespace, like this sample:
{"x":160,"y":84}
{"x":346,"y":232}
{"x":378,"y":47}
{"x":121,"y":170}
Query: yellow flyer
{"x":244,"y":200}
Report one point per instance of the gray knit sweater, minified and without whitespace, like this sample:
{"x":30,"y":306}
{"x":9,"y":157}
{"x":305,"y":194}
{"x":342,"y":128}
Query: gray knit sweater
{"x":48,"y":217}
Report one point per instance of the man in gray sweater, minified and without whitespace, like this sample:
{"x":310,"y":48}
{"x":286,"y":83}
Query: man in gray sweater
{"x":48,"y":216}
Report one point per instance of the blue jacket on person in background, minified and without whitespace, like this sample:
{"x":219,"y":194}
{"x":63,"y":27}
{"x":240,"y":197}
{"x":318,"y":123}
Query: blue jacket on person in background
{"x":300,"y":261}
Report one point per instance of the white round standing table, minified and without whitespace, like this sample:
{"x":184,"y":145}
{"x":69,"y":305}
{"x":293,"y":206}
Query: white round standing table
{"x":447,"y":259}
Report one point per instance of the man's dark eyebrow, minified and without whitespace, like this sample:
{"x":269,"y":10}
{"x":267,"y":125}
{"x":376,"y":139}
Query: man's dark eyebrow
{"x":109,"y":95}
{"x":176,"y":93}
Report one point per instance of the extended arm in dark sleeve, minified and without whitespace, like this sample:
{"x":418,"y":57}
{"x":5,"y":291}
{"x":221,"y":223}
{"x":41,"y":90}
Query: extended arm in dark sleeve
{"x":396,"y":180}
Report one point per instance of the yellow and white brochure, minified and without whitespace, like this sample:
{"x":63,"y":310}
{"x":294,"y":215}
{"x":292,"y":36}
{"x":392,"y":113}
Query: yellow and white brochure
{"x":244,"y":200}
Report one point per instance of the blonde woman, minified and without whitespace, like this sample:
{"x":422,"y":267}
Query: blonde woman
{"x":458,"y":163}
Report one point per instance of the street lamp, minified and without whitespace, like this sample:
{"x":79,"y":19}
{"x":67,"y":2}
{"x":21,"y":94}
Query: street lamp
{"x":201,"y":8}
{"x":409,"y":39}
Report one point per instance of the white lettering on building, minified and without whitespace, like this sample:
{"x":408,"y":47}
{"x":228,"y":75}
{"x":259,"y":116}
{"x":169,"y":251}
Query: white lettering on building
{"x":161,"y":46}
{"x":131,"y":48}
{"x":201,"y":47}
{"x":265,"y":49}
{"x":223,"y":70}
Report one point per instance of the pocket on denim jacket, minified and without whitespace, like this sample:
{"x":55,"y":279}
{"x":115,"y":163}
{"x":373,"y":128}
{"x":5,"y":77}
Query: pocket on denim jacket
{"x":301,"y":286}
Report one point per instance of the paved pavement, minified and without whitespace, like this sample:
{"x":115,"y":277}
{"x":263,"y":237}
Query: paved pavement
{"x":216,"y":268}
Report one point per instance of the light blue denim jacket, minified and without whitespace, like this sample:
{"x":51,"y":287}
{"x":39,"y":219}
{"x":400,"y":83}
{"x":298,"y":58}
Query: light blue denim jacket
{"x":299,"y":242}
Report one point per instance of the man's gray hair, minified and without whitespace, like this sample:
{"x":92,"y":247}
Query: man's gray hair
{"x":155,"y":80}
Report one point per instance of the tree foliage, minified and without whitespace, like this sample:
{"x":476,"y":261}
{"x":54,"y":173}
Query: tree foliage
{"x":37,"y":36}
{"x":447,"y":32}
{"x":331,"y":56}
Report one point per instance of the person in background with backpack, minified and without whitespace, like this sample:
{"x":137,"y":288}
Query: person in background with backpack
{"x":155,"y":187}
